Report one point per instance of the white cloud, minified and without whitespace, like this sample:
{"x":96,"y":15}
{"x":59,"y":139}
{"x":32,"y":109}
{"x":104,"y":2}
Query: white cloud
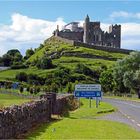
{"x":24,"y":32}
{"x":124,"y":14}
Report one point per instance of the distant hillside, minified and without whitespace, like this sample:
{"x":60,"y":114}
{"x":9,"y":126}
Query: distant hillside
{"x":66,"y":55}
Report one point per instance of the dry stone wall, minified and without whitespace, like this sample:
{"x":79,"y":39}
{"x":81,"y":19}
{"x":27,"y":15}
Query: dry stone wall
{"x":65,"y":40}
{"x":17,"y":120}
{"x":104,"y":48}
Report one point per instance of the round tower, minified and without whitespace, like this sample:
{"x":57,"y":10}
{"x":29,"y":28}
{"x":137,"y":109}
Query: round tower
{"x":86,"y":30}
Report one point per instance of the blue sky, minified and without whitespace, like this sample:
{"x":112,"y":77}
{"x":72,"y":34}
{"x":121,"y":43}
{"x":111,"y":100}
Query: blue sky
{"x":25,"y":24}
{"x":69,"y":10}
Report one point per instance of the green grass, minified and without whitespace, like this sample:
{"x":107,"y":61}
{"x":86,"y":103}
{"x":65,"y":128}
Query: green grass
{"x":9,"y":99}
{"x":54,"y":46}
{"x":124,"y":98}
{"x":10,"y":74}
{"x":71,"y":62}
{"x":82,"y":124}
{"x":99,"y":52}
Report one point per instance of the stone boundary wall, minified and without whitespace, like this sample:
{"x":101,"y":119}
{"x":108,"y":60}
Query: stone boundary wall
{"x":104,"y":48}
{"x":17,"y":120}
{"x":85,"y":55}
{"x":71,"y":42}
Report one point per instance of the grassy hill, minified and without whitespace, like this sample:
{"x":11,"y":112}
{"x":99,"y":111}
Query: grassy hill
{"x":64,"y":54}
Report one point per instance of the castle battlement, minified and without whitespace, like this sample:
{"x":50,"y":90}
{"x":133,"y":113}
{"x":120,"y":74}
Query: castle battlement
{"x":91,"y":33}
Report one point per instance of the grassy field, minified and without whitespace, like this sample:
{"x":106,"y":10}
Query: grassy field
{"x":53,"y":45}
{"x":71,"y":62}
{"x":9,"y":99}
{"x":10,"y":74}
{"x":82,"y":124}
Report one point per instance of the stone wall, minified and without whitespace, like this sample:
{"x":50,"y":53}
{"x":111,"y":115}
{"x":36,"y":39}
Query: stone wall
{"x":17,"y":120}
{"x":71,"y":42}
{"x":86,"y":55}
{"x":77,"y":36}
{"x":104,"y":48}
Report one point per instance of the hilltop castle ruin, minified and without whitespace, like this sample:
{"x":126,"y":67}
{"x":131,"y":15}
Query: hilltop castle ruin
{"x":91,"y":33}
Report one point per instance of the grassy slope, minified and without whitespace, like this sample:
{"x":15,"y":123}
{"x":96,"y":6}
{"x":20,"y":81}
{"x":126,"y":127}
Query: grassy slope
{"x":7,"y":100}
{"x":53,"y":46}
{"x":82,"y":124}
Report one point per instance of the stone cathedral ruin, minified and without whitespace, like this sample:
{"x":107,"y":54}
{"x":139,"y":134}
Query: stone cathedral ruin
{"x":91,"y":33}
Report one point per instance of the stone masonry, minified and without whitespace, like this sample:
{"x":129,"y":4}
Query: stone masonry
{"x":91,"y":33}
{"x":17,"y":120}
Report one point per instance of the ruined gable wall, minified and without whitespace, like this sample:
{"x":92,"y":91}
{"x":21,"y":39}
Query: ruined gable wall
{"x":77,"y":36}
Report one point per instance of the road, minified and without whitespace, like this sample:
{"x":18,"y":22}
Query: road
{"x":128,"y":112}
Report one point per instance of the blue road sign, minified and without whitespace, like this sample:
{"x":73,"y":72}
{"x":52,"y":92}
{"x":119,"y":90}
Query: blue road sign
{"x":87,"y":93}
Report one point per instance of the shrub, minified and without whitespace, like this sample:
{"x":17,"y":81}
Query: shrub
{"x":21,"y":89}
{"x":44,"y":63}
{"x":54,"y":87}
{"x":69,"y":87}
{"x":19,"y":66}
{"x":31,"y":91}
{"x":22,"y":76}
{"x":28,"y":89}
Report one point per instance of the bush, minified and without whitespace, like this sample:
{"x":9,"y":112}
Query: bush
{"x":36,"y":90}
{"x":69,"y":87}
{"x":44,"y":63}
{"x":22,"y":76}
{"x":83,"y":69}
{"x":21,"y":89}
{"x":54,"y":87}
{"x":28,"y":89}
{"x":19,"y":66}
{"x":31,"y":91}
{"x":35,"y":79}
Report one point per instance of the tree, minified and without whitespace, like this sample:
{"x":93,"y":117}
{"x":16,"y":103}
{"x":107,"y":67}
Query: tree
{"x":36,"y":90}
{"x":54,"y":87}
{"x":21,"y":89}
{"x":31,"y":90}
{"x":13,"y":52}
{"x":126,"y":73}
{"x":7,"y":60}
{"x":106,"y":80}
{"x":22,"y":76}
{"x":69,"y":87}
{"x":11,"y":57}
{"x":17,"y":57}
{"x":29,"y":53}
{"x":44,"y":63}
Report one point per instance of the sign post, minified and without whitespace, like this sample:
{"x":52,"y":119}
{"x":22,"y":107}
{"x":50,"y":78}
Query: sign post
{"x":97,"y":102}
{"x":90,"y":102}
{"x":88,"y":91}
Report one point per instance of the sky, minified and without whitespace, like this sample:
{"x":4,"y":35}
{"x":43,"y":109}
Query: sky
{"x":25,"y":24}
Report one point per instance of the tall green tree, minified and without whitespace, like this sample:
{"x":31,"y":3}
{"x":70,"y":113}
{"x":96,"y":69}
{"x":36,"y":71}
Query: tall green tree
{"x":44,"y":63}
{"x":106,"y":80}
{"x":12,"y":57}
{"x":126,"y":73}
{"x":29,"y":53}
